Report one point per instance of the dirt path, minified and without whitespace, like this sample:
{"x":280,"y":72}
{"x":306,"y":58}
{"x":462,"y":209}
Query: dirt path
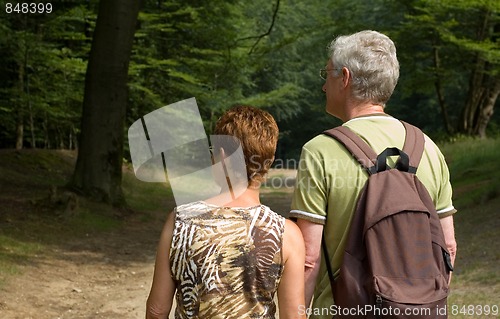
{"x":99,"y":276}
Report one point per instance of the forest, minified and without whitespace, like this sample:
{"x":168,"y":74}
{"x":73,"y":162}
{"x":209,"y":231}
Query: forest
{"x":79,"y":229}
{"x":77,"y":73}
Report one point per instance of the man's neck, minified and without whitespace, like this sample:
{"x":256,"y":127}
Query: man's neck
{"x":364,"y":109}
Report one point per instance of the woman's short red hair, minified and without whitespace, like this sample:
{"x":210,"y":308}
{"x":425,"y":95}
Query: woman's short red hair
{"x":257,"y":132}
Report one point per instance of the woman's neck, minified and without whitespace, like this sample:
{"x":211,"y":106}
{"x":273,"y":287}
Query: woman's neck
{"x":249,"y":198}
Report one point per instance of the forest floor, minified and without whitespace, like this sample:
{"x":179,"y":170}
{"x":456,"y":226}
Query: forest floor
{"x":106,"y":275}
{"x":101,"y":270}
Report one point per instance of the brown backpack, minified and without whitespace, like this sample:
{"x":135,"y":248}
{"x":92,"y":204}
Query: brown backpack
{"x":395,"y":263}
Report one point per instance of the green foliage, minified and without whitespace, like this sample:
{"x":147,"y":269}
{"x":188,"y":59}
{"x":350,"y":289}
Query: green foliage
{"x":43,"y":75}
{"x":177,"y":56}
{"x":265,"y":53}
{"x":446,"y":39}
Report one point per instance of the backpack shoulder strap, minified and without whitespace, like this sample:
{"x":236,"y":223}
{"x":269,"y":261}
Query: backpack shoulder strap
{"x":327,"y":261}
{"x":361,"y":151}
{"x":414,"y":145}
{"x":364,"y":154}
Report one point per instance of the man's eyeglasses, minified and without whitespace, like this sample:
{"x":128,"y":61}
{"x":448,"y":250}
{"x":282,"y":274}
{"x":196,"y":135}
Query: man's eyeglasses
{"x":323,"y":73}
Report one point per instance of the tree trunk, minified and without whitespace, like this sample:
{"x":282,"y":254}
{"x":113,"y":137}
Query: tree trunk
{"x":46,"y":142}
{"x":440,"y":95}
{"x":476,"y":94}
{"x":19,"y":130}
{"x":483,"y":93}
{"x":486,"y":111}
{"x":484,"y":88}
{"x":20,"y":109}
{"x":98,"y":171}
{"x":30,"y":108}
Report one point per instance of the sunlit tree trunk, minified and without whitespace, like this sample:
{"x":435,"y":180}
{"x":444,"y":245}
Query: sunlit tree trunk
{"x":484,"y":88}
{"x":486,"y":111}
{"x":479,"y":106}
{"x":468,"y":118}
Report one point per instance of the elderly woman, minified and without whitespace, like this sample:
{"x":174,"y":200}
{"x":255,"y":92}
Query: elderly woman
{"x":228,"y":258}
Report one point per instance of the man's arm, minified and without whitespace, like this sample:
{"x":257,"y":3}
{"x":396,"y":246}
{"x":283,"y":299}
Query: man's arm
{"x":449,"y":237}
{"x":312,"y":240}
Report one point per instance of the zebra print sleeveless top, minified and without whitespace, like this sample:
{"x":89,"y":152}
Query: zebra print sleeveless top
{"x":226,"y":262}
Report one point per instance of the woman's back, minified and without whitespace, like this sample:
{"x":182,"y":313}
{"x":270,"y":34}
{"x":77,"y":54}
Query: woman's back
{"x":226,"y":261}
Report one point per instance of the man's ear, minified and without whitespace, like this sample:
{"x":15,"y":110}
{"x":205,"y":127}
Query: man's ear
{"x":346,"y":76}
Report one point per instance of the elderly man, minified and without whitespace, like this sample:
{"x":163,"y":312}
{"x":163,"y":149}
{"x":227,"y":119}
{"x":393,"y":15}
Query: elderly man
{"x":360,"y":76}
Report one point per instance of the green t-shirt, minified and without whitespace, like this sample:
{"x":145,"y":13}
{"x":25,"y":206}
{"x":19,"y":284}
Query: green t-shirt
{"x":329,"y":182}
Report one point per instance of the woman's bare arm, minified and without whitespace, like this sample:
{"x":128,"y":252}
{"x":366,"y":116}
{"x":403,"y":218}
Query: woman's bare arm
{"x":162,"y":292}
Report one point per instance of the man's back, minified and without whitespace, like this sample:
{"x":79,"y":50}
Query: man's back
{"x":333,"y":180}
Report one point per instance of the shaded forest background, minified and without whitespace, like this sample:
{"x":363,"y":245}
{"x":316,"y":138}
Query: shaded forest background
{"x":78,"y":77}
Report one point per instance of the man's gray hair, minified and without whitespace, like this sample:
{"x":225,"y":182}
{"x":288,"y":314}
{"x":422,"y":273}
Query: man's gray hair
{"x":371,"y":59}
